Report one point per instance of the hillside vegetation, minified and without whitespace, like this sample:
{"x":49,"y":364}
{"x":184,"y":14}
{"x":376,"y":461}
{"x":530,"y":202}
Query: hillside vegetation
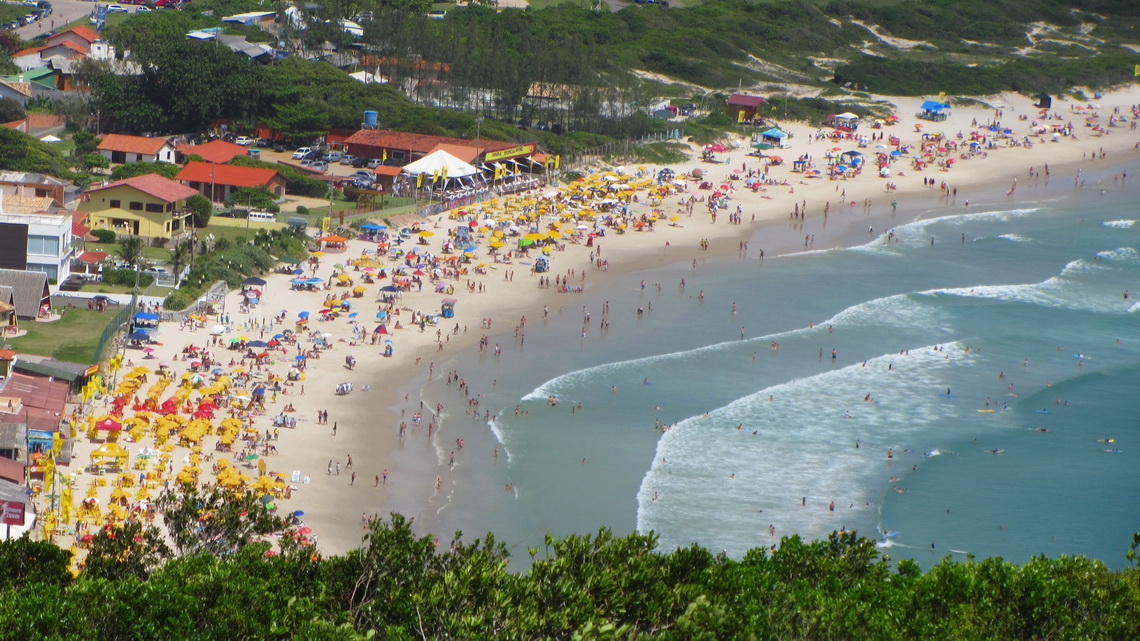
{"x":601,"y":70}
{"x":401,"y":587}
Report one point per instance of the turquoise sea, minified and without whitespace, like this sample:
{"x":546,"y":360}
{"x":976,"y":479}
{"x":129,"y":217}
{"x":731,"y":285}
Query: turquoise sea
{"x":1017,"y":306}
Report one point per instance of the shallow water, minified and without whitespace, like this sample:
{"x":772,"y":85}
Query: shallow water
{"x":1025,"y":294}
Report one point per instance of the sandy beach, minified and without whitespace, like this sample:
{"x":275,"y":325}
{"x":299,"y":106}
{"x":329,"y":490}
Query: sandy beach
{"x":314,"y":458}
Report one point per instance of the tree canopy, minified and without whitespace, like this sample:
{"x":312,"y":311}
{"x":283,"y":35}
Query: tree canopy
{"x":404,"y":586}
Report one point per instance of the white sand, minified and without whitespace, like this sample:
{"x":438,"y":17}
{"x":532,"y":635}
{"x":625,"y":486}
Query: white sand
{"x":367,"y":420}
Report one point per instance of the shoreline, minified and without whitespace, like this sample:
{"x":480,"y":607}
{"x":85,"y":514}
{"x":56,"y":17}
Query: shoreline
{"x":368,"y":419}
{"x":986,"y":192}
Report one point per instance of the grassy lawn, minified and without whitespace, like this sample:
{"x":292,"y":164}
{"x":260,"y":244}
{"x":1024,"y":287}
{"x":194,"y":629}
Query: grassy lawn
{"x":72,"y":338}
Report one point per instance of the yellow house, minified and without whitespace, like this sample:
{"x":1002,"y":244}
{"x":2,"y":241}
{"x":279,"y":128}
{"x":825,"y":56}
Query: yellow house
{"x":149,"y":205}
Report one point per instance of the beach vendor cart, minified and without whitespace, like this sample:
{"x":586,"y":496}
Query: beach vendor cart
{"x":447,"y":308}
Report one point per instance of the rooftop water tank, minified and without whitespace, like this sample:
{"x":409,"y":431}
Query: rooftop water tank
{"x":370,"y":118}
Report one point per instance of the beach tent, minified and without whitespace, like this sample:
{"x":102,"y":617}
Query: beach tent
{"x":440,"y":163}
{"x":773,"y":137}
{"x":845,"y":120}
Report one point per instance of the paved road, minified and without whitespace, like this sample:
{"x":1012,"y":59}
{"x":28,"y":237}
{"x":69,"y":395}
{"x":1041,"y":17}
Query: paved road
{"x":63,"y":12}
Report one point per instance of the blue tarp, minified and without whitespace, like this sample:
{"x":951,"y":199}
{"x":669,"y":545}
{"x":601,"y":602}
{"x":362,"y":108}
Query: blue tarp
{"x":146,"y":316}
{"x":934,"y":105}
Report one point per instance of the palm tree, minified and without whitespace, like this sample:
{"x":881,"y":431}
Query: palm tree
{"x":179,"y":257}
{"x":131,"y":249}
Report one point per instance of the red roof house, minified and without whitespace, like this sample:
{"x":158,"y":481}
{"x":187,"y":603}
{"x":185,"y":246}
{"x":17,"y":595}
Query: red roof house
{"x":219,"y":182}
{"x":215,"y":151}
{"x":122,"y":148}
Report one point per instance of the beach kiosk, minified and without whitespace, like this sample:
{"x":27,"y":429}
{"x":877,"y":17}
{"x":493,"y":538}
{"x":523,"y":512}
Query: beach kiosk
{"x":934,"y":110}
{"x":447,"y":308}
{"x":774,"y":137}
{"x":845,"y":120}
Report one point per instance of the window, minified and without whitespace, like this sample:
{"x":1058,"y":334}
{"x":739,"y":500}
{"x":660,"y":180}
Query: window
{"x":398,"y":156}
{"x":52,"y":271}
{"x":135,"y":206}
{"x":152,"y":207}
{"x":116,"y":203}
{"x":43,"y":245}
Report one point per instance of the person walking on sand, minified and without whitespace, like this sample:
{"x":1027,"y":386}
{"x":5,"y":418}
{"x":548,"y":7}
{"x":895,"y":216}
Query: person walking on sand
{"x":353,"y":481}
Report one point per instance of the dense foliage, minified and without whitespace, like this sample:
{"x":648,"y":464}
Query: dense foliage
{"x":400,"y":586}
{"x":21,"y":152}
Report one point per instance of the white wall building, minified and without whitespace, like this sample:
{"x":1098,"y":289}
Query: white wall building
{"x":46,"y":239}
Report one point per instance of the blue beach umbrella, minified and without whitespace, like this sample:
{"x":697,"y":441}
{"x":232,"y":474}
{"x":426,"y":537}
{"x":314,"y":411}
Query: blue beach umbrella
{"x":301,"y":357}
{"x":258,"y":344}
{"x":303,"y":315}
{"x":371,"y":227}
{"x":354,"y":314}
{"x":298,"y":272}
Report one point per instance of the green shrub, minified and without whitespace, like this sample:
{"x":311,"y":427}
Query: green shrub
{"x":126,"y":278}
{"x":302,"y":210}
{"x":105,"y":236}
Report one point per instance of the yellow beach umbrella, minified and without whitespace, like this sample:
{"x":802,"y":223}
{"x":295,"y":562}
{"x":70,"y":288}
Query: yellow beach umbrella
{"x":427,"y":233}
{"x":317,"y":254}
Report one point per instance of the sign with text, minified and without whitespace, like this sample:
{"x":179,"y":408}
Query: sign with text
{"x":510,"y":153}
{"x":11,"y":513}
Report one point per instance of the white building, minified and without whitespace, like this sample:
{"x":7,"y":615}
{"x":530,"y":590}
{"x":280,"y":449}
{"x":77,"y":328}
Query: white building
{"x":40,"y":242}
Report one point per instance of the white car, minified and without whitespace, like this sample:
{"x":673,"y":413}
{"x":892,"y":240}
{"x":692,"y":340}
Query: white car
{"x":301,"y":153}
{"x":115,"y":8}
{"x":142,"y":9}
{"x":244,"y":141}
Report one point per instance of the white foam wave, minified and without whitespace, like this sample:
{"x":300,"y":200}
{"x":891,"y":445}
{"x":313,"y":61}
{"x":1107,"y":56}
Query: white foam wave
{"x":1017,"y":238}
{"x":1122,"y":254}
{"x":996,"y":215}
{"x":901,"y":310}
{"x":1119,"y":224}
{"x":792,"y":457}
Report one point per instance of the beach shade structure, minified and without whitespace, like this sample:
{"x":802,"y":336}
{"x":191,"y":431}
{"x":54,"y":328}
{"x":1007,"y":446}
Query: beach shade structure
{"x":138,"y":336}
{"x":109,"y":425}
{"x":389,"y":288}
{"x":381,"y":329}
{"x":716,"y":147}
{"x":372,"y":227}
{"x":297,"y":272}
{"x":303,"y":315}
{"x":314,"y":281}
{"x":354,"y":314}
{"x":317,"y":254}
{"x":332,"y":238}
{"x":301,"y":357}
{"x":254,"y":280}
{"x":218,"y":329}
{"x":258,"y":344}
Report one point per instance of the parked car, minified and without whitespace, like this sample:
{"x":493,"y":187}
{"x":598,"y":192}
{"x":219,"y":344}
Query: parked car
{"x":143,"y":9}
{"x":363,"y":183}
{"x":116,"y":8}
{"x":155,"y":270}
{"x":301,"y":153}
{"x":332,"y":156}
{"x":373,"y":163}
{"x":244,"y":141}
{"x":320,"y":164}
{"x":347,"y":159}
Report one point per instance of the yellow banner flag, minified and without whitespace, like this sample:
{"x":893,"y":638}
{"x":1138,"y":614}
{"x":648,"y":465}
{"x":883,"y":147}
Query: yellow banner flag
{"x":740,"y":116}
{"x":443,"y":174}
{"x":1137,"y":71}
{"x":419,"y":181}
{"x":941,"y":96}
{"x":557,"y":161}
{"x":384,"y":156}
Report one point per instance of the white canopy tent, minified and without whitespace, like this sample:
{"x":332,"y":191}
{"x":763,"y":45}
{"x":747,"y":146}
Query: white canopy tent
{"x":441,"y":163}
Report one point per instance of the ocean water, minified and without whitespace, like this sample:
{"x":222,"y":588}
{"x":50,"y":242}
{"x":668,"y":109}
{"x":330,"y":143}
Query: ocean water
{"x":1016,"y":308}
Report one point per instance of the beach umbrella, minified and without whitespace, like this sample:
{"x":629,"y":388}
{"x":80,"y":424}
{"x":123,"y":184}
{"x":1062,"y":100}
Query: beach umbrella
{"x":332,"y":238}
{"x":218,"y":329}
{"x":301,"y":357}
{"x":297,"y":272}
{"x":354,"y":314}
{"x":317,"y":254}
{"x":254,"y":280}
{"x":258,"y":344}
{"x":371,"y":227}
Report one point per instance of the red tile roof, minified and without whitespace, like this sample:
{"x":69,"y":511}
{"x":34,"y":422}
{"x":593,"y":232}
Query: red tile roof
{"x":216,"y":151}
{"x":92,"y":257}
{"x":28,"y":51}
{"x":388,"y":170}
{"x":153,"y":185}
{"x":421,"y":143}
{"x":83,"y":32}
{"x":132,"y":144}
{"x":77,"y":226}
{"x":77,"y":48}
{"x":233,"y":175}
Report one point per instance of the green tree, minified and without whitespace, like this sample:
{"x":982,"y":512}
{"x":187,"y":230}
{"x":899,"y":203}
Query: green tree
{"x":253,"y":198}
{"x":201,"y":209}
{"x":132,"y":169}
{"x":131,"y":249}
{"x":10,"y":110}
{"x":21,"y":152}
{"x":128,"y":550}
{"x":27,"y":561}
{"x":94,"y":161}
{"x":180,"y":256}
{"x":232,"y":521}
